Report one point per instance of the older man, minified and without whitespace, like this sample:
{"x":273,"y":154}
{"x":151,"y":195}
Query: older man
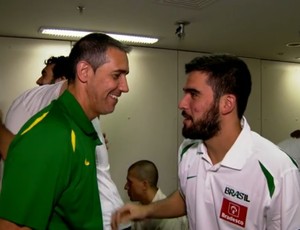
{"x":57,"y":145}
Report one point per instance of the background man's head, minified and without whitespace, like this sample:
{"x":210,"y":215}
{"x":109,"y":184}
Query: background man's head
{"x":56,"y":69}
{"x":142,"y":178}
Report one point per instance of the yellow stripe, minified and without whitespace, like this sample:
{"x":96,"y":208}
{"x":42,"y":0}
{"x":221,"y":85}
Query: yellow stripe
{"x":73,"y":140}
{"x":35,"y":123}
{"x":86,"y":162}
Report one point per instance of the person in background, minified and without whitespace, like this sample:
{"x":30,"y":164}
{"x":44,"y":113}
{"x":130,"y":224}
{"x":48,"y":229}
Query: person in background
{"x":295,"y":133}
{"x":33,"y":100}
{"x":291,"y":145}
{"x":141,"y":186}
{"x":230,"y":177}
{"x":54,"y":70}
{"x":64,"y":156}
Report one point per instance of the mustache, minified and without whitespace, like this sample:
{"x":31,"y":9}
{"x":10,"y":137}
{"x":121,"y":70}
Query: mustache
{"x":185,"y":115}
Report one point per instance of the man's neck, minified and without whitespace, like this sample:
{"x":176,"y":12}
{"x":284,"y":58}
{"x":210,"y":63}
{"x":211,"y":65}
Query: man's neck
{"x":151,"y":193}
{"x":219,"y":145}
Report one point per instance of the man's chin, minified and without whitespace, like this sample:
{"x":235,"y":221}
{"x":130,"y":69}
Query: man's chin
{"x":108,"y":111}
{"x":189,"y":133}
{"x":185,"y":132}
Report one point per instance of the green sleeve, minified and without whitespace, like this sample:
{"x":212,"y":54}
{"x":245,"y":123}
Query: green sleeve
{"x":35,"y":173}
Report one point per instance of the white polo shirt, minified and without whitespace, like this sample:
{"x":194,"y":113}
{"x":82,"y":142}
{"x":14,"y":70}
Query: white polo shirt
{"x":255,"y":186}
{"x":32,"y":101}
{"x":179,"y":223}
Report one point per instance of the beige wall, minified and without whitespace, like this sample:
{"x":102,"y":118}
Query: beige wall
{"x":146,"y":123}
{"x":280,"y":99}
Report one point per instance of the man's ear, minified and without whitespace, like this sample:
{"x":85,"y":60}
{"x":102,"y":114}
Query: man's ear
{"x":145,"y":184}
{"x":227,"y":103}
{"x":82,"y":70}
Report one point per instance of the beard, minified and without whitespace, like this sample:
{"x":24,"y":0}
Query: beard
{"x":204,"y":128}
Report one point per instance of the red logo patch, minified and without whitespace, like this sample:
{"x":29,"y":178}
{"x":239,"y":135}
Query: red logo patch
{"x":233,"y":212}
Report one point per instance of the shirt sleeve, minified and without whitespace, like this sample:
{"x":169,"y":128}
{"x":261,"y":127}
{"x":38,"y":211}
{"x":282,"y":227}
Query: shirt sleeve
{"x":284,"y":210}
{"x":16,"y":116}
{"x":34,"y":177}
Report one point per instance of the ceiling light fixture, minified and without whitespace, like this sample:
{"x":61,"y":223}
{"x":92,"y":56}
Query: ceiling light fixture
{"x":293,"y":44}
{"x":81,"y":33}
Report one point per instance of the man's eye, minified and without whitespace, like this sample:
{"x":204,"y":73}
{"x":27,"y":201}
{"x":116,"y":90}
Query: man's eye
{"x":116,"y":75}
{"x":193,"y":94}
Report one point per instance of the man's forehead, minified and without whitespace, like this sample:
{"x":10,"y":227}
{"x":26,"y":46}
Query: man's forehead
{"x":197,"y":78}
{"x":48,"y":68}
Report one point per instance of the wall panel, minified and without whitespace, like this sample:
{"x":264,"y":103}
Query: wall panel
{"x":280,"y":99}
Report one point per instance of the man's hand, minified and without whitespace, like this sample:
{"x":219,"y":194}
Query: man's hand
{"x":129,"y":212}
{"x":7,"y":225}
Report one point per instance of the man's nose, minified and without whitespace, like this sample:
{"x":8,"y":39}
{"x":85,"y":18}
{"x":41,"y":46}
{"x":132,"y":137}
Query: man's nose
{"x":124,"y":85}
{"x":39,"y":81}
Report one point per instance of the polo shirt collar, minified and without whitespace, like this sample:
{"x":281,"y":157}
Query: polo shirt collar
{"x":74,"y":110}
{"x":158,"y":196}
{"x":241,"y":150}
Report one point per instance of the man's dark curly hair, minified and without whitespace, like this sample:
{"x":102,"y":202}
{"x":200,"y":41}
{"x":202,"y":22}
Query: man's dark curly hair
{"x":61,"y":66}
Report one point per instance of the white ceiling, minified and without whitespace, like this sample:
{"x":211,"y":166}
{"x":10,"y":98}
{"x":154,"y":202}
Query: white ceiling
{"x":247,"y":28}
